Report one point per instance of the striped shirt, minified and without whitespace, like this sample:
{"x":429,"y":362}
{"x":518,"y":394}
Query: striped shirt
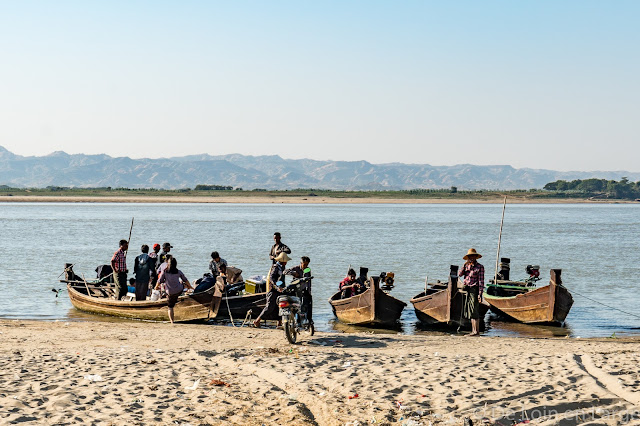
{"x":473,"y":274}
{"x":119,"y":259}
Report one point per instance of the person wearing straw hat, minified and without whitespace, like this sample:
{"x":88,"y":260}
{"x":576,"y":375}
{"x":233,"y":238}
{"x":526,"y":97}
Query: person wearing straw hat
{"x":275,"y":283}
{"x":473,"y":280}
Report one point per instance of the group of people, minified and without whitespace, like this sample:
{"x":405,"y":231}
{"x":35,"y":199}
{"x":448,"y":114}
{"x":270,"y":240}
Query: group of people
{"x":158,"y":270}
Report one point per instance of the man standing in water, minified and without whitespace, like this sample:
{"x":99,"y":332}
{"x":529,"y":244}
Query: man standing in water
{"x":119,"y":266}
{"x":473,"y":281}
{"x":277,"y":248}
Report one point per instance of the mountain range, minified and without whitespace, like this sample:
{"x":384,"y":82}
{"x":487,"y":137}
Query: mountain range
{"x":268,"y":172}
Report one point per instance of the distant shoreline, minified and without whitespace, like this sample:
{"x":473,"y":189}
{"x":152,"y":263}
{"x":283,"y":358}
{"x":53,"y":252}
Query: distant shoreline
{"x":261,"y":199}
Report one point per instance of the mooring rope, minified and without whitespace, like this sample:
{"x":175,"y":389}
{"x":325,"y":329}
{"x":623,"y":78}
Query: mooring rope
{"x":604,"y":304}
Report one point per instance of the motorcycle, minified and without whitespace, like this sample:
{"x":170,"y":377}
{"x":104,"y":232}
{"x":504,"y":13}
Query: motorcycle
{"x":292,"y":309}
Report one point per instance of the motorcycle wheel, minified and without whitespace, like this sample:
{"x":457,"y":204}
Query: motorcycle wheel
{"x":290,"y":330}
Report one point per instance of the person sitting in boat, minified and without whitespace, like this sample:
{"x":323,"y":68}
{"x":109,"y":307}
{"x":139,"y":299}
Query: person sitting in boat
{"x":275,"y":285}
{"x":175,"y":282}
{"x":349,"y":285}
{"x":302,"y":271}
{"x":473,"y":280}
{"x":215,"y":263}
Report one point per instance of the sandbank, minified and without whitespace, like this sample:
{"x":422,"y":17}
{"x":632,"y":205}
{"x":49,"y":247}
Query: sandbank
{"x":129,"y":372}
{"x":290,"y":200}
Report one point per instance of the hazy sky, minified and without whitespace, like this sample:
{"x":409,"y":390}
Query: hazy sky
{"x":543,"y":84}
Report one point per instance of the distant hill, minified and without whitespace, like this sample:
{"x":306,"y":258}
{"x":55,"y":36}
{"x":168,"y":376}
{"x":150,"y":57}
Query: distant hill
{"x":268,"y":172}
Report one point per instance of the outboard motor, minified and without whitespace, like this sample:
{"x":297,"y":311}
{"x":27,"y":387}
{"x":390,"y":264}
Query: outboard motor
{"x":503,"y":272}
{"x":533,"y":271}
{"x":386,"y":280}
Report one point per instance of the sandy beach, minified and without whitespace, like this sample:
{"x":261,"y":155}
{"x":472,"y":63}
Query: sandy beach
{"x":289,"y":200}
{"x":154,"y":373}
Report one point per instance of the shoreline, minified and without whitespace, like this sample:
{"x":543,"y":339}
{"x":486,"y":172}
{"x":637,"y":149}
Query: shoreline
{"x":156,"y":373}
{"x":290,"y":200}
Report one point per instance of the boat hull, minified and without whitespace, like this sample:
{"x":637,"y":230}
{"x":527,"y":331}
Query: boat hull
{"x":373,"y":307}
{"x":545,"y":305}
{"x":192,"y":307}
{"x":239,"y":306}
{"x":444,"y":307}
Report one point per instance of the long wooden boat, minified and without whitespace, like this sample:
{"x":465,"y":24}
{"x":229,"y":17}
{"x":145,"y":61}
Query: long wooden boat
{"x":525,"y":303}
{"x":443,"y":304}
{"x":98,"y":300}
{"x":373,"y":307}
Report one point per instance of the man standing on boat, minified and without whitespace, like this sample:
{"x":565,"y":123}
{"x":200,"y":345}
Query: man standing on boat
{"x":119,"y":266}
{"x":473,"y":280}
{"x":277,"y":248}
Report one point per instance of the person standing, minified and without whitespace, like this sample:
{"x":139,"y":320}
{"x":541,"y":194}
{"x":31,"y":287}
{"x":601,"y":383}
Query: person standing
{"x":142,"y":269}
{"x":153,"y":265}
{"x":175,"y":282}
{"x":276,"y":275}
{"x":119,"y":266}
{"x":277,"y":248}
{"x":303,"y":271}
{"x":215,"y":263}
{"x":166,"y":248}
{"x":473,"y":273}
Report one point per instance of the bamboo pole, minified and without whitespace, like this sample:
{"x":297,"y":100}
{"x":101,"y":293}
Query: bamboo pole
{"x":495,"y":277}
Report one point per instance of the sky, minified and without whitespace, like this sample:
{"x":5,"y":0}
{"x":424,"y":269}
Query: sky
{"x":539,"y":84}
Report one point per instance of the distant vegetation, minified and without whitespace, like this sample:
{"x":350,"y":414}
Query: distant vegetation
{"x":576,"y":189}
{"x":596,"y":188}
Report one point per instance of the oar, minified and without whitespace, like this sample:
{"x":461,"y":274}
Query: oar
{"x":495,"y":277}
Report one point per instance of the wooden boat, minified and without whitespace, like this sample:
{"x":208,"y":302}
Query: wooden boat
{"x":522,"y":301}
{"x":373,"y":307}
{"x":238,"y":306}
{"x":96,"y":296}
{"x":98,"y":300}
{"x":442,"y":304}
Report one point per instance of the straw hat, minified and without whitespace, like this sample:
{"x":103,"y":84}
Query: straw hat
{"x":282,"y":257}
{"x":472,"y":252}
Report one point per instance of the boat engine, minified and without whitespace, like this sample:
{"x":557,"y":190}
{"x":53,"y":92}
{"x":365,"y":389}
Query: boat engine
{"x":387,"y":278}
{"x":534,"y":273}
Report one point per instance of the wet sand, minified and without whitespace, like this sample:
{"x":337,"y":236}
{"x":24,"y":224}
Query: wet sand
{"x":155,"y":373}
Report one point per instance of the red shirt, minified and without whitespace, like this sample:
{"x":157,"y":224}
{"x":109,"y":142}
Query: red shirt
{"x":473,"y":274}
{"x":119,"y":259}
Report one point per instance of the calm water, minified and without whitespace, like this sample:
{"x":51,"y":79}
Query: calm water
{"x":595,"y":245}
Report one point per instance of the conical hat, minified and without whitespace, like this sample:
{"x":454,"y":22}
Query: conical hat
{"x":282,"y":257}
{"x":472,"y":252}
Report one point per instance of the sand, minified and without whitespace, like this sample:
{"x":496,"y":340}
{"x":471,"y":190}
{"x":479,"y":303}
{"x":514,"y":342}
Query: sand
{"x":290,"y":200}
{"x":155,"y":373}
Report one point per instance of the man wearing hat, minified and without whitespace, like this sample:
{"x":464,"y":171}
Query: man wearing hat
{"x":473,"y":280}
{"x":276,"y":275}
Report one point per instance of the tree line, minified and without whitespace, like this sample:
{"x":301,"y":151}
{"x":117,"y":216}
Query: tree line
{"x":602,"y":188}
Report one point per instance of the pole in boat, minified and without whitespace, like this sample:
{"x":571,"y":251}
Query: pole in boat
{"x":495,"y":277}
{"x":426,"y":281}
{"x":129,"y":240}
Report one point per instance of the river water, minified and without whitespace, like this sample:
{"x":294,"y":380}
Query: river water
{"x":596,"y":246}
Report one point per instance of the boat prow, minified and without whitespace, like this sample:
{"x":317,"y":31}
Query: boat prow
{"x":373,"y":307}
{"x":544,"y":305}
{"x":443,"y":304}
